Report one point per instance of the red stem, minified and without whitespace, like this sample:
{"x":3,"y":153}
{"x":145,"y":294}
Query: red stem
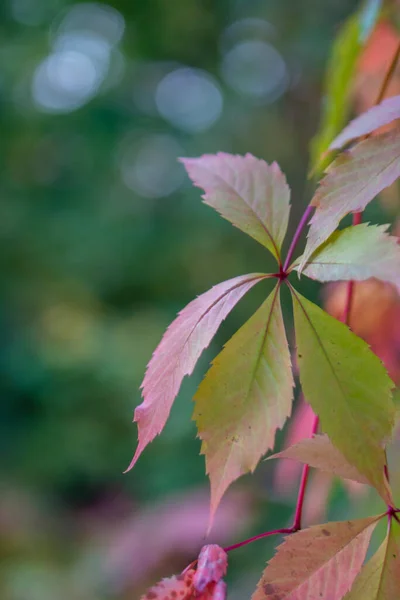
{"x":303,"y":484}
{"x":259,"y":537}
{"x":357,"y":218}
{"x":297,"y":234}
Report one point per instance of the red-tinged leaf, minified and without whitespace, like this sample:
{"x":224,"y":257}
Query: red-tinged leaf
{"x":352,"y":181}
{"x":320,"y":453}
{"x":219,"y":591}
{"x":379,"y":579}
{"x":357,"y":253}
{"x":181,"y":587}
{"x":211,"y":566}
{"x":382,"y":114}
{"x":177,"y":587}
{"x":179,"y":350}
{"x":251,"y":194}
{"x":244,"y":398}
{"x":319,"y":563}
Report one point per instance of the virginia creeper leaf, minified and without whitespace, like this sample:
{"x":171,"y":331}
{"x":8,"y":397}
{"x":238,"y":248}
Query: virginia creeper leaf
{"x":319,"y":563}
{"x":347,"y":386}
{"x":357,"y":253}
{"x":179,"y":350}
{"x":337,"y":88}
{"x":246,"y":191}
{"x":320,"y":453}
{"x":382,"y":114}
{"x":211,"y":567}
{"x":379,"y":579}
{"x":245,"y":396}
{"x":353,"y":180}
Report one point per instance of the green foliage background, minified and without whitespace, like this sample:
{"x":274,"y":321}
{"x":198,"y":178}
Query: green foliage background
{"x":92,"y":272}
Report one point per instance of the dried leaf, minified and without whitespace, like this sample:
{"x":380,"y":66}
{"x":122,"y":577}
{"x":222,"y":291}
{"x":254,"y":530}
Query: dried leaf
{"x":320,"y":453}
{"x":357,"y":253}
{"x":179,"y":350}
{"x":355,"y":407}
{"x":246,"y":191}
{"x":353,"y":180}
{"x":382,"y":114}
{"x":245,"y":396}
{"x":319,"y":563}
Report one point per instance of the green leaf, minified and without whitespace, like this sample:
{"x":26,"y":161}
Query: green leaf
{"x":245,"y":396}
{"x":352,"y":181}
{"x":357,"y":253}
{"x":319,"y":562}
{"x":246,"y":191}
{"x":338,"y":81}
{"x":347,"y":386}
{"x":379,"y":579}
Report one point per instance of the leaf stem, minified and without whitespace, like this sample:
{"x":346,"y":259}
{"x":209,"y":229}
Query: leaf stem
{"x":303,"y":484}
{"x":283,"y":531}
{"x":297,"y":234}
{"x":357,"y":218}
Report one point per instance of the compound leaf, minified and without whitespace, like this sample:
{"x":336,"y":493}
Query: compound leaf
{"x":357,"y":253}
{"x":179,"y":350}
{"x":379,"y":579}
{"x":245,"y":396}
{"x":353,"y":180}
{"x":317,"y":563}
{"x":246,"y":191}
{"x":347,"y":386}
{"x":320,"y":453}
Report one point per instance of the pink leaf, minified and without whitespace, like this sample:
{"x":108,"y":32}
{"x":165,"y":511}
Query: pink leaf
{"x":382,"y":114}
{"x":179,"y":350}
{"x":352,"y":181}
{"x":211,"y":566}
{"x":246,"y":191}
{"x":320,"y":453}
{"x":172,"y":588}
{"x":319,"y":563}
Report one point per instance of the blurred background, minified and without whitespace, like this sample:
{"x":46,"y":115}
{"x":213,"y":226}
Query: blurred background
{"x":102,"y":241}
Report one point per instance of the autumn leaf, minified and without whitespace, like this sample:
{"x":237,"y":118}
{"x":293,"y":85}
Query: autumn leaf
{"x":211,"y":566}
{"x":357,"y":253}
{"x":181,"y":587}
{"x":347,"y":386}
{"x":179,"y":350}
{"x":245,"y":396}
{"x":377,"y":116}
{"x":318,"y":563}
{"x":203,"y":583}
{"x":320,"y":453}
{"x":172,"y":588}
{"x":353,"y":180}
{"x":379,"y":579}
{"x":246,"y":191}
